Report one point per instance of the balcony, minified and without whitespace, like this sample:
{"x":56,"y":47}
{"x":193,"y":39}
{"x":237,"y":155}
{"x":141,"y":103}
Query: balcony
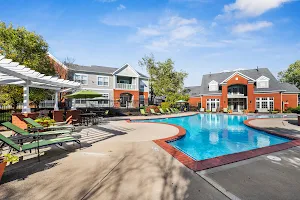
{"x":236,"y":95}
{"x":125,"y":86}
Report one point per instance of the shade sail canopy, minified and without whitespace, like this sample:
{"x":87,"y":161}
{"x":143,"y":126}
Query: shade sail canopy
{"x":12,"y":73}
{"x":181,"y":101}
{"x":83,"y":94}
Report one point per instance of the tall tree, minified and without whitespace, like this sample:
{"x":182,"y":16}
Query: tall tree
{"x":28,"y":49}
{"x":164,"y":80}
{"x":291,"y":75}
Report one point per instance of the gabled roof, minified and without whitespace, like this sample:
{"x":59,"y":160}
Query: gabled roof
{"x":263,"y":78}
{"x":237,"y":73}
{"x":252,"y":74}
{"x":99,"y":69}
{"x":193,"y":91}
{"x":124,"y":66}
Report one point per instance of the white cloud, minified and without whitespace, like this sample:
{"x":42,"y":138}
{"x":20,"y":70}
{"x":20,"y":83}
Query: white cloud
{"x":121,"y":7}
{"x":252,"y":8}
{"x":169,"y":32}
{"x":249,"y":27}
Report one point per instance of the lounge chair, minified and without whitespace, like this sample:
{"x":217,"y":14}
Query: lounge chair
{"x":168,"y":110}
{"x":142,"y":111}
{"x":162,"y":111}
{"x":105,"y":114}
{"x":225,"y":110}
{"x":39,"y":126}
{"x":201,"y":109}
{"x":34,"y":145}
{"x":25,"y":133}
{"x":176,"y":109}
{"x":214,"y":110}
{"x":153,"y":112}
{"x":173,"y":110}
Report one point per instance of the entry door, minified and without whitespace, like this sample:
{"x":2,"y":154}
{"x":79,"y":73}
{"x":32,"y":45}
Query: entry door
{"x":235,"y":106}
{"x":123,"y":100}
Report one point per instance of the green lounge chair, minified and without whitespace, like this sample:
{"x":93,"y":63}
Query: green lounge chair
{"x":39,"y":126}
{"x":168,"y":110}
{"x":162,"y":111}
{"x":173,"y":110}
{"x":34,"y":145}
{"x":25,"y":133}
{"x":153,"y":112}
{"x":142,"y":111}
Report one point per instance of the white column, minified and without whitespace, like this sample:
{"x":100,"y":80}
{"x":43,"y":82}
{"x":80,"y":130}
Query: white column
{"x":56,"y":101}
{"x":26,"y":108}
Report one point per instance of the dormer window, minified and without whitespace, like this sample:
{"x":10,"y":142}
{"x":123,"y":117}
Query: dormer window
{"x":262,"y":82}
{"x":213,"y":86}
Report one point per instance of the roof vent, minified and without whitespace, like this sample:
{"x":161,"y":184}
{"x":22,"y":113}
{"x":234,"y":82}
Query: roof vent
{"x":257,"y":68}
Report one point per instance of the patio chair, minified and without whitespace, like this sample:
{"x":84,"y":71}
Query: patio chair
{"x":105,"y":114}
{"x":225,"y":110}
{"x":35,"y":144}
{"x":176,"y":109}
{"x":162,"y":111}
{"x":173,"y":110}
{"x":25,"y":133}
{"x":168,"y":110}
{"x":39,"y":126}
{"x":201,"y":109}
{"x":153,"y":112}
{"x":214,"y":110}
{"x":142,"y":111}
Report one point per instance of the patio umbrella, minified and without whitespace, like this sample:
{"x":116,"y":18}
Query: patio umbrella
{"x":84,"y":94}
{"x":181,"y":101}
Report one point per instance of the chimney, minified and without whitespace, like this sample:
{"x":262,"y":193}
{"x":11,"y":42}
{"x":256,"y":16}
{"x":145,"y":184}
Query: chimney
{"x":257,"y":68}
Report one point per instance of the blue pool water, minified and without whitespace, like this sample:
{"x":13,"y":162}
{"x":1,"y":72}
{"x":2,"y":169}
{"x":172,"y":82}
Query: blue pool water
{"x":210,"y":135}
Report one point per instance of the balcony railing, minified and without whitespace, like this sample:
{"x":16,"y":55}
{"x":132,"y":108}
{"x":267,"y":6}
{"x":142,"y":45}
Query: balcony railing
{"x":126,"y":86}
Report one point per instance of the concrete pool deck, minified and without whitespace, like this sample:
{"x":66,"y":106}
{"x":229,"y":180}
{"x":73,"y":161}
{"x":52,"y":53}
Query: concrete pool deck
{"x":120,"y":161}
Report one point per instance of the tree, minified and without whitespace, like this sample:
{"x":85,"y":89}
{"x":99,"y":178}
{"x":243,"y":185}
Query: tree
{"x":10,"y":95}
{"x":28,"y":49}
{"x":164,"y":80}
{"x":291,"y":75}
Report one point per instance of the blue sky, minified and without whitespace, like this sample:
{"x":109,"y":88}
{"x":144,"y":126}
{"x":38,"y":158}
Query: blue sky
{"x":201,"y":36}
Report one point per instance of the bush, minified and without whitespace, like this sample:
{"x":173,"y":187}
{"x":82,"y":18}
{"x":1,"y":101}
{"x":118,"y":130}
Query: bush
{"x":154,"y":107}
{"x":165,"y":105}
{"x":45,"y":121}
{"x":295,"y":110}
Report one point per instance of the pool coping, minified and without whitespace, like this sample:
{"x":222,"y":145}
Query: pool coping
{"x":225,"y":159}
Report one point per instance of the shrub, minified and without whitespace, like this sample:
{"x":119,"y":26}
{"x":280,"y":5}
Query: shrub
{"x":165,"y":105}
{"x":45,"y":121}
{"x":296,"y":110}
{"x":154,"y":107}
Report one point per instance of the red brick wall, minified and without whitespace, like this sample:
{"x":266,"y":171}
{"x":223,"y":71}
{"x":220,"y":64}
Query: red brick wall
{"x":193,"y":101}
{"x":17,"y":119}
{"x":291,"y":99}
{"x":74,"y":114}
{"x":241,"y":80}
{"x":276,"y":96}
{"x":135,"y":94}
{"x":224,"y":102}
{"x":204,"y":98}
{"x":251,"y":98}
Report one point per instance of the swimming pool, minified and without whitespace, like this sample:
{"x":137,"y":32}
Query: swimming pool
{"x":212,"y":135}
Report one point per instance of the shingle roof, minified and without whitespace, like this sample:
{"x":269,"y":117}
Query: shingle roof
{"x":274,"y":84}
{"x":289,"y":87}
{"x":194,"y":90}
{"x":97,"y":69}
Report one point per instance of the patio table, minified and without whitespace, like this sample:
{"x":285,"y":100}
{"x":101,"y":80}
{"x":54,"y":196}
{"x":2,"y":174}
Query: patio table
{"x":88,"y":117}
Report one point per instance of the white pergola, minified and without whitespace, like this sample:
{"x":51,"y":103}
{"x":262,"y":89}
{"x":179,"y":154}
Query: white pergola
{"x":12,"y":73}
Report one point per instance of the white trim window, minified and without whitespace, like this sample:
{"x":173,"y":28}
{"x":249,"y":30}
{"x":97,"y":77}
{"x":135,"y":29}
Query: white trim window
{"x":213,"y":86}
{"x":262,"y":82}
{"x":103,"y":80}
{"x":212,"y":103}
{"x":81,"y":78}
{"x":264,"y":104}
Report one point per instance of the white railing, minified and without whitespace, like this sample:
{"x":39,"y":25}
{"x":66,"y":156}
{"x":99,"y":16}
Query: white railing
{"x":126,"y":86}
